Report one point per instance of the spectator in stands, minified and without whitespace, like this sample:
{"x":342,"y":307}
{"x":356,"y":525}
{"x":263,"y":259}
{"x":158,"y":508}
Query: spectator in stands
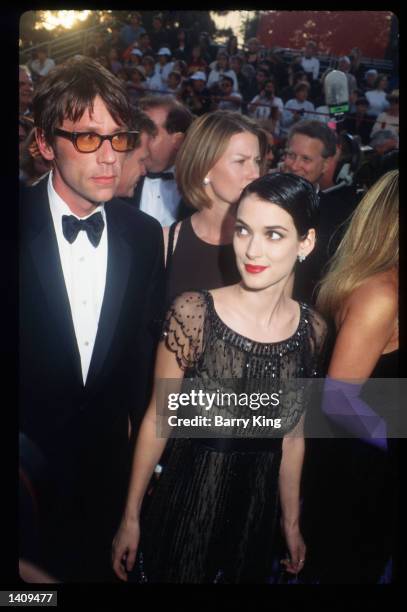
{"x":262,"y":75}
{"x":209,"y":49}
{"x":232,"y":46}
{"x":115,"y":42}
{"x":131,"y":32}
{"x":344,"y":66}
{"x":181,"y":67}
{"x":221,"y":69}
{"x":230,"y":100}
{"x":297,"y":108}
{"x":370,"y":79}
{"x":157,"y":193}
{"x":253,"y":52}
{"x":353,"y":97}
{"x":389,"y":119}
{"x":310,"y":63}
{"x":294,"y":77}
{"x":359,"y":123}
{"x":182,"y":48}
{"x":134,"y":58}
{"x":246,"y":86}
{"x":197,"y":61}
{"x":144,"y":44}
{"x":114,"y":63}
{"x":135,"y":85}
{"x":196,"y":95}
{"x":261,"y":107}
{"x":153,"y":80}
{"x":159,"y":36}
{"x":278,"y":69}
{"x":384,"y":141}
{"x":25,"y":89}
{"x":42,"y":65}
{"x":164,"y":65}
{"x":356,"y":67}
{"x":377,"y":97}
{"x":174,"y":83}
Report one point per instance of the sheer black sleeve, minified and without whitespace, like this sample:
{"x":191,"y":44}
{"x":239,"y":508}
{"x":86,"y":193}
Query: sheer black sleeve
{"x":183,"y":328}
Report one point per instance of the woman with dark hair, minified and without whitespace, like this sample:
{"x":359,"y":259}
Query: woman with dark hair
{"x":182,"y":47}
{"x":213,"y":516}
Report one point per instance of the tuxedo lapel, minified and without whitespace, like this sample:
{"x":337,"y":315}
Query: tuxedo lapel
{"x":117,"y":275}
{"x":43,"y":248}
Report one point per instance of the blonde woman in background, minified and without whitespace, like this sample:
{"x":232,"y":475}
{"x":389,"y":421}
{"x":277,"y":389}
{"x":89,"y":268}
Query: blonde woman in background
{"x":222,"y":152}
{"x":360,"y":294}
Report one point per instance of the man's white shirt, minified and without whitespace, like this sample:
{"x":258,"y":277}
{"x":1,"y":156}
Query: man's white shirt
{"x":311,"y":64}
{"x":160,"y":199}
{"x":84,"y":267}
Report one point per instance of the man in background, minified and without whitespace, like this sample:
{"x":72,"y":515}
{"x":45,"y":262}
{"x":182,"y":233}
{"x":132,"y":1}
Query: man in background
{"x":157,"y":193}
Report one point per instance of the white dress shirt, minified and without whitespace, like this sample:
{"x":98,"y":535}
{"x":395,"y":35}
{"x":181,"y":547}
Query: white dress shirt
{"x":154,"y":84}
{"x":164,"y":71}
{"x":160,"y":199}
{"x":263,"y":111}
{"x":84,"y":267}
{"x":311,"y":64}
{"x":377,"y":102}
{"x":42,"y":69}
{"x":288,"y":117}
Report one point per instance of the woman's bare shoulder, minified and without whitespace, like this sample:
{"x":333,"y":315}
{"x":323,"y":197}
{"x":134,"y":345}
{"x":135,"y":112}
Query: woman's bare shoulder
{"x":375,"y":298}
{"x":381,"y":288}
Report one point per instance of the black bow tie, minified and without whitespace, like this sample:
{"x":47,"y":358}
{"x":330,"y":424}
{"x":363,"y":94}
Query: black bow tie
{"x":165,"y":176}
{"x":93,"y":226}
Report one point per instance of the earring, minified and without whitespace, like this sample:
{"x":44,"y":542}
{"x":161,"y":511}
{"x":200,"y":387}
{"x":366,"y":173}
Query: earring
{"x":301,"y":257}
{"x":206,"y":181}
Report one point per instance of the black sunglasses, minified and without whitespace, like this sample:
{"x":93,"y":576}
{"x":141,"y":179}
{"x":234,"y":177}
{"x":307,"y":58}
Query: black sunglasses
{"x":89,"y":142}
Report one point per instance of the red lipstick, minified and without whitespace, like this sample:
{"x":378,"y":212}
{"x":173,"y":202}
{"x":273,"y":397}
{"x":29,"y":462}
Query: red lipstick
{"x":254,"y":269}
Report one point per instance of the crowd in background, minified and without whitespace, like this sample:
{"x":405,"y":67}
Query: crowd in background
{"x":249,"y":79}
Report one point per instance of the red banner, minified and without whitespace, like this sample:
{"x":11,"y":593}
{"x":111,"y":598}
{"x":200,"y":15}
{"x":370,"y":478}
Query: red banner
{"x":335,"y":32}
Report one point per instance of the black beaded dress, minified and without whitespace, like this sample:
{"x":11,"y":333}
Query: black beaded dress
{"x":213,"y":515}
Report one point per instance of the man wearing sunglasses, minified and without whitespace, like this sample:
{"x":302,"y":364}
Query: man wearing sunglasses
{"x":91,"y":284}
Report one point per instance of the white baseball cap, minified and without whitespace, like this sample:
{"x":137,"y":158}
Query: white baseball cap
{"x":164,"y":51}
{"x":198,"y":76}
{"x":136,"y":52}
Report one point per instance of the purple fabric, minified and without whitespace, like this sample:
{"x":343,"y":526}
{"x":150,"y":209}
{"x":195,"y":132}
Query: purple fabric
{"x":342,"y":404}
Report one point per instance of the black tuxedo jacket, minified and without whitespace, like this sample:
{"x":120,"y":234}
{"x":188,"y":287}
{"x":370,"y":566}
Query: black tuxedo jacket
{"x":184,"y":210}
{"x":82,"y":431}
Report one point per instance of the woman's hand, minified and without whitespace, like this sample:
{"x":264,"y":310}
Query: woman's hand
{"x":296,"y":548}
{"x":124,"y":547}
